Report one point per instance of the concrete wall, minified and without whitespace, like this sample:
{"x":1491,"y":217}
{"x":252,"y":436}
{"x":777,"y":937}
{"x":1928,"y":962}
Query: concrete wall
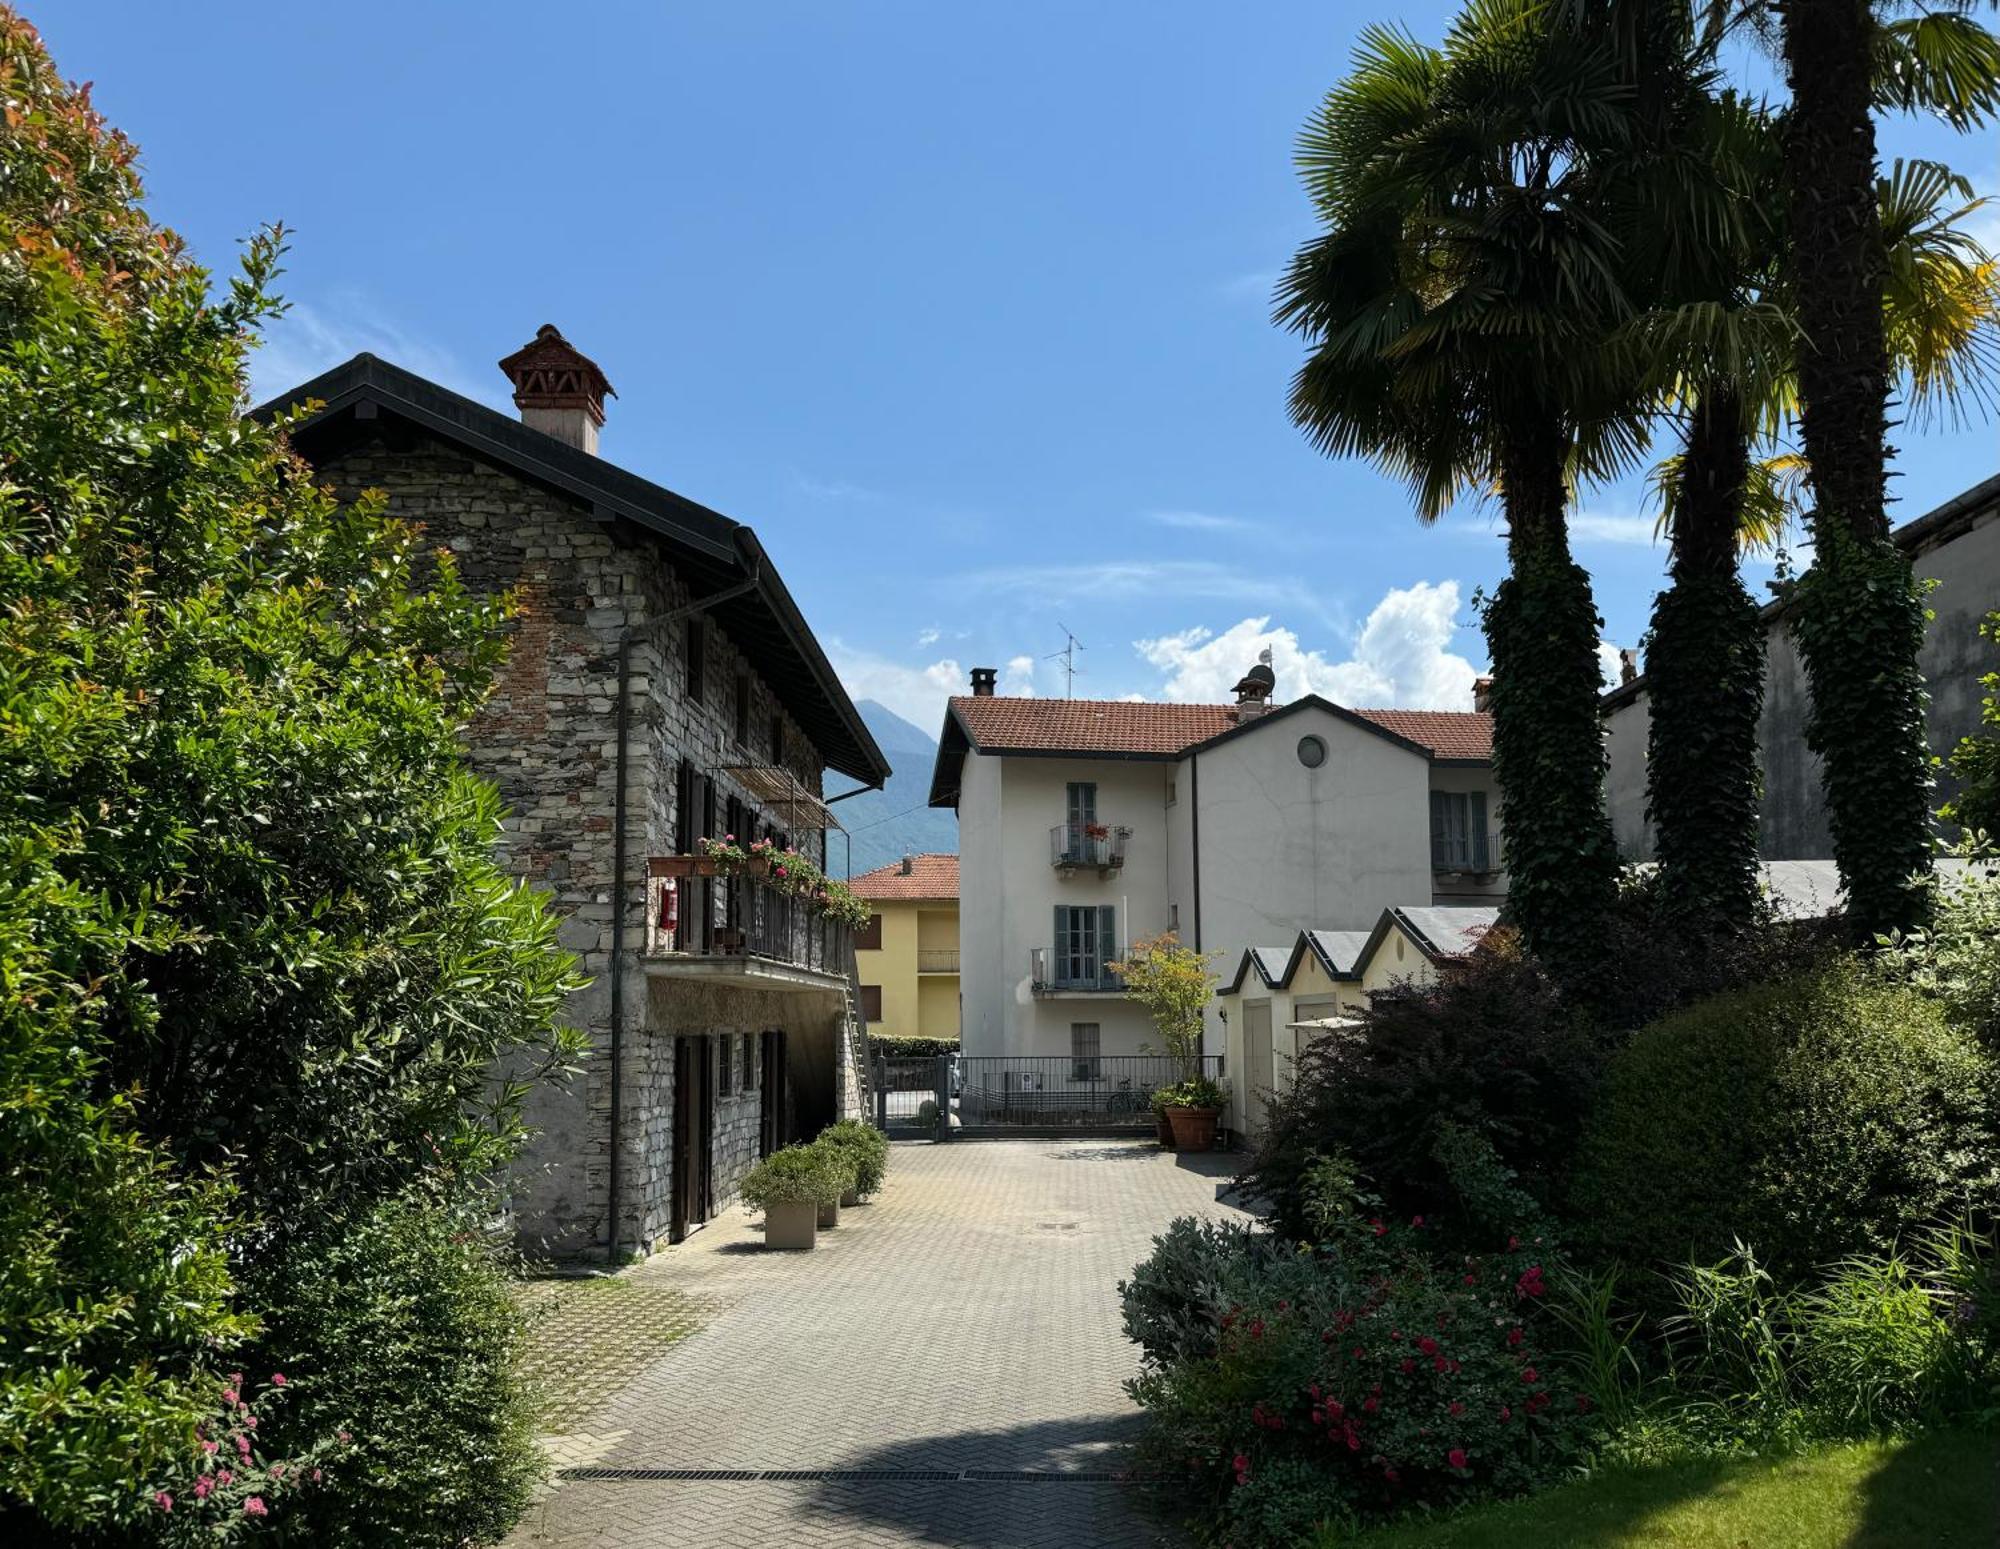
{"x":547,"y":740}
{"x":1958,"y":547}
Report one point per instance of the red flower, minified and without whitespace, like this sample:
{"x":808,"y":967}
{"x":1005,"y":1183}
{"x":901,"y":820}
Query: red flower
{"x":1472,"y":1280}
{"x":1392,"y":1476}
{"x":1513,"y":1243}
{"x":1440,"y":1364}
{"x":1428,"y":1345}
{"x":1530,"y":1376}
{"x":1506,"y":1412}
{"x":1408,"y":1365}
{"x":1380,"y":1229}
{"x":1515,"y":1336}
{"x":1457,"y":1408}
{"x":1371,"y":1404}
{"x":1257,"y":1328}
{"x":1456,"y":1457}
{"x":1417,"y":1221}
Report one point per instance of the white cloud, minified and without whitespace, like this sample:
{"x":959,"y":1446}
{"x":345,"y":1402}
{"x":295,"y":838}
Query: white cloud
{"x":1018,"y":677}
{"x":928,"y":637}
{"x":1401,"y":657}
{"x":1599,"y":527}
{"x":1609,"y":667}
{"x":298,"y":346}
{"x":917,"y":694}
{"x":1200,"y":521}
{"x":1151,"y":579}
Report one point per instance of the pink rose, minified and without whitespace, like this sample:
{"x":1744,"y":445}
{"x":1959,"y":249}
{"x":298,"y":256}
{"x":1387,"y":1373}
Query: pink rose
{"x":163,"y":1500}
{"x":1456,"y":1457}
{"x":254,"y":1507}
{"x":277,"y":1379}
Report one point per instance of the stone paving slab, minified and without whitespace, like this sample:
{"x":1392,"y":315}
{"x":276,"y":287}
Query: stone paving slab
{"x":967,"y":1320}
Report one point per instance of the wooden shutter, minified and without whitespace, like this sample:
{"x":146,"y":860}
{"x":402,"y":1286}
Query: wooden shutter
{"x":871,"y":1002}
{"x":869,"y":937}
{"x":1482,"y":859}
{"x":1107,"y":943}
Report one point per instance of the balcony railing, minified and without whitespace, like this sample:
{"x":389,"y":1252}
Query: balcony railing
{"x":1052,"y":970}
{"x":1472,"y":854}
{"x":741,"y":917}
{"x":937,"y":960}
{"x":1073,"y":846}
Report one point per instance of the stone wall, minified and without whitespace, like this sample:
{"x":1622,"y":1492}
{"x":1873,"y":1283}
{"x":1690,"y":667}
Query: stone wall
{"x":548,"y":739}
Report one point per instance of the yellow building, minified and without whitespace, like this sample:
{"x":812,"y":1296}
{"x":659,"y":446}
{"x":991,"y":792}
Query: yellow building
{"x":908,"y":952}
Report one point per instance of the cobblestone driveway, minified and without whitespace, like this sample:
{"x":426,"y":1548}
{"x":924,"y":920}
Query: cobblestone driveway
{"x":965,"y":1323}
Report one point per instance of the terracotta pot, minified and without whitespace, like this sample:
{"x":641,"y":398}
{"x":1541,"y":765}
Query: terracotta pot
{"x":682,"y":866}
{"x":1194,"y":1128}
{"x":758,"y":866}
{"x":829,"y":1215}
{"x":790,"y":1226}
{"x":1166,"y":1128}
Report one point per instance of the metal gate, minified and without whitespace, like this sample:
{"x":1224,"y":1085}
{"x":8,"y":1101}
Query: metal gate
{"x":913,"y":1096}
{"x":949,"y":1095}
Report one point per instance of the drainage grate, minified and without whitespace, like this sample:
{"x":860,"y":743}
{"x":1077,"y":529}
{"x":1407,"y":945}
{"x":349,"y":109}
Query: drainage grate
{"x":857,"y":1475}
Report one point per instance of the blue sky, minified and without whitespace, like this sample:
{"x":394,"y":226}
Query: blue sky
{"x":964,"y":308}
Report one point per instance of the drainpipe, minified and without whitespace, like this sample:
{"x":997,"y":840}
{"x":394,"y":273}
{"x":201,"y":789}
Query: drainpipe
{"x":627,"y":637}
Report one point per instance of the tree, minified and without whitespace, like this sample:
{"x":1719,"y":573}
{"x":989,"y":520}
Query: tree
{"x":1976,"y":760}
{"x":1860,"y":618}
{"x":247,"y":896}
{"x":1174,"y":984}
{"x":1458,"y":309}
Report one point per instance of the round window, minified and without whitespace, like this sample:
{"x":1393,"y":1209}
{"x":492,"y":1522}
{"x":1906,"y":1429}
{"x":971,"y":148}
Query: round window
{"x":1312,"y":751}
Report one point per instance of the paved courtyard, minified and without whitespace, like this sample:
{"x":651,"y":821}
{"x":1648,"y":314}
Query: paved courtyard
{"x":952,"y":1349}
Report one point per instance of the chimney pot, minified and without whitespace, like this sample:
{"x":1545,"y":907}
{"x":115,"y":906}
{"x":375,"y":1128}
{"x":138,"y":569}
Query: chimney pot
{"x":558,"y":389}
{"x":1254,"y":689}
{"x":983,"y":680}
{"x":1482,"y":694}
{"x":1628,"y":665}
{"x":909,"y":864}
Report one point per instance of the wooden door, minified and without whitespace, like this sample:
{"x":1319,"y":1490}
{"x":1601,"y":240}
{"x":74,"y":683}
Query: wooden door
{"x":694,"y":1136}
{"x":770,"y":1092}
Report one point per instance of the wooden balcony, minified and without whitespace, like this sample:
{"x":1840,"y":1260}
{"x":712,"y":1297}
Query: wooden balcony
{"x":738,"y":929}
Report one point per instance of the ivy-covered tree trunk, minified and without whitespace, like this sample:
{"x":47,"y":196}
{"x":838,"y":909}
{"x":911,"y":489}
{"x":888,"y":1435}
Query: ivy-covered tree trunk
{"x":1548,"y":747}
{"x":1860,"y":619}
{"x":1705,"y":687}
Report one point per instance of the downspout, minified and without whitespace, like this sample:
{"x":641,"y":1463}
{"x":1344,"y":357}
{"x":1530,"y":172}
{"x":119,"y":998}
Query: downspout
{"x":627,"y":637}
{"x":1194,"y":841}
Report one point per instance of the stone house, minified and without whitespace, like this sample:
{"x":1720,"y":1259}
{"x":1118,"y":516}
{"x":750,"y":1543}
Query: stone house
{"x":661,"y":687}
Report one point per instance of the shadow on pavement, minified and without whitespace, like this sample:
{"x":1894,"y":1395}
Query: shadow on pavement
{"x":1059,"y":1495}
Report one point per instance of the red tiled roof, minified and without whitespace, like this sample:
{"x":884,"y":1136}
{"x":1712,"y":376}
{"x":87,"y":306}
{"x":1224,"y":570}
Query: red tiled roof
{"x":930,"y":876}
{"x":1003,"y":724}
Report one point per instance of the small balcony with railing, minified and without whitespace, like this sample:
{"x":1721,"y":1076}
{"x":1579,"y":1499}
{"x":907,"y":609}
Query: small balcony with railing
{"x":1475,"y":855}
{"x":1051,"y":972}
{"x":738,"y":927}
{"x":937,"y":960}
{"x":1098,"y":847}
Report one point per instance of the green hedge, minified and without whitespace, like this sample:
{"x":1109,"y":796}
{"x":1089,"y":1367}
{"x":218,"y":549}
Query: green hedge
{"x":1811,"y":1119}
{"x":888,"y":1046}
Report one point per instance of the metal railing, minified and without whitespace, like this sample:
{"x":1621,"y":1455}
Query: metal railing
{"x":1475,"y":853}
{"x":1049,"y":969}
{"x":1075,"y":845}
{"x":1054,"y":1091}
{"x":744,"y":916}
{"x":937,"y":960}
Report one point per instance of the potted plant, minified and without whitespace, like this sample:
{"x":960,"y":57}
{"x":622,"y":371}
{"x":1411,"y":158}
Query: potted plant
{"x":1193,"y":1109}
{"x":1161,"y":1096}
{"x":868,"y":1147}
{"x":789,"y":1186}
{"x":1174,"y":985}
{"x":845,"y":1166}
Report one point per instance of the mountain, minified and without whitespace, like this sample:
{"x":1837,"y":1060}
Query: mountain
{"x":895,"y":821}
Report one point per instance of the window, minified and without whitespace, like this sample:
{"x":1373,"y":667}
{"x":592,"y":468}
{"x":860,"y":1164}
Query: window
{"x":749,"y":1057}
{"x":1312,"y":751}
{"x":743,"y":709}
{"x":871,"y":1002}
{"x":1173,"y":793}
{"x":869,"y":937}
{"x":1083,"y":1051}
{"x":1082,"y":802}
{"x":1458,"y":831}
{"x":1086,"y":938}
{"x":777,"y":739}
{"x":697,"y":659}
{"x":724,"y":1078}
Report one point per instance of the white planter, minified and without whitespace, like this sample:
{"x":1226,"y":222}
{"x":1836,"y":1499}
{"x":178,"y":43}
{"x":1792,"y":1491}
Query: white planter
{"x":790,"y":1226}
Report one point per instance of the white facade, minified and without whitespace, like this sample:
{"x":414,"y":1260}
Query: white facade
{"x":1240,"y":839}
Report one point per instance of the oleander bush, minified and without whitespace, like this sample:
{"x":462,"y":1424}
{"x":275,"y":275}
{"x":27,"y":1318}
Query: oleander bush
{"x":1813,"y":1119}
{"x":867,"y":1147}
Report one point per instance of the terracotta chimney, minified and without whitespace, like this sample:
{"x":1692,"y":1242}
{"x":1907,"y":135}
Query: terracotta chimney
{"x":558,"y":389}
{"x":1482,"y":694}
{"x":983,"y":679}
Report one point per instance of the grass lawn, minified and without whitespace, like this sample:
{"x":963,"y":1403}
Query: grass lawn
{"x":1939,"y":1492}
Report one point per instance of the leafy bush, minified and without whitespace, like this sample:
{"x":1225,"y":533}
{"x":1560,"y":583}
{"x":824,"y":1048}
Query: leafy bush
{"x":399,"y":1338}
{"x":1813,"y":1119}
{"x":260,"y":963}
{"x":867,"y":1149}
{"x":798,"y":1175}
{"x":1957,"y":959}
{"x":1178,"y":1298}
{"x":1378,"y":1372}
{"x":1197,"y":1092}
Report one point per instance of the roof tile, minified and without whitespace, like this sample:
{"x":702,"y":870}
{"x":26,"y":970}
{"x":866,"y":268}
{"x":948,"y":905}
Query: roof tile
{"x":1004,"y":724}
{"x":930,"y":876}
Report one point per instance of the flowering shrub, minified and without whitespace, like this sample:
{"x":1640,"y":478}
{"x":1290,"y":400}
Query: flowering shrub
{"x":1403,"y":1371}
{"x":232,"y":1485}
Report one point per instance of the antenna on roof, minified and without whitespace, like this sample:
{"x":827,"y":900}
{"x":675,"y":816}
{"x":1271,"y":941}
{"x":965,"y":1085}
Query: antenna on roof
{"x":1067,"y":656}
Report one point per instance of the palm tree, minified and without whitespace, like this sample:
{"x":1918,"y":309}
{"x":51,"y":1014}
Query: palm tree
{"x":1460,"y":308}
